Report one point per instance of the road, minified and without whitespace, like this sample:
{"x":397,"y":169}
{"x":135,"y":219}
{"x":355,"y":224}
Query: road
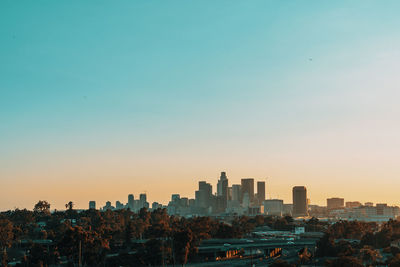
{"x":235,"y":262}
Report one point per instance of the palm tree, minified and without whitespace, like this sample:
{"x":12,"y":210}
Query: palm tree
{"x":69,"y":205}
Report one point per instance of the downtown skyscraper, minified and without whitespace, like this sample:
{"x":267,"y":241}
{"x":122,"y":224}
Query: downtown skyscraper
{"x":300,"y":207}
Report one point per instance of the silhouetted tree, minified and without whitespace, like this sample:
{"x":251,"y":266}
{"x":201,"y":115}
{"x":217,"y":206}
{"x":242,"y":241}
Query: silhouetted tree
{"x":181,"y":245}
{"x":368,"y":239}
{"x":154,"y":252}
{"x":98,"y":233}
{"x":383,"y":237}
{"x":42,"y":207}
{"x":369,"y":255}
{"x":344,"y":248}
{"x":326,"y":246}
{"x":395,"y":261}
{"x":69,"y":205}
{"x":394,"y":250}
{"x":304,"y":256}
{"x":158,"y":224}
{"x":6,"y":237}
{"x":39,"y":256}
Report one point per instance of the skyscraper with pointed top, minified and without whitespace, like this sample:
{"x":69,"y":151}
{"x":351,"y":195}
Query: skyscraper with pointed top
{"x":222,"y":191}
{"x":222,"y":186}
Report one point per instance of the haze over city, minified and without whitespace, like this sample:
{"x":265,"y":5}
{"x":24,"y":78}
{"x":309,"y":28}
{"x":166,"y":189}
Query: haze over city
{"x":99,"y":101}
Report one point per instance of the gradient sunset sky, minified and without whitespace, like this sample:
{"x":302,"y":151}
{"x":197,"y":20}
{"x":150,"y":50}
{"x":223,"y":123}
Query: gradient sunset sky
{"x":99,"y":99}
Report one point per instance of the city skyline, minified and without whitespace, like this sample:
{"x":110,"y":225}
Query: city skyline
{"x":99,"y":100}
{"x":242,"y":199}
{"x":214,"y":191}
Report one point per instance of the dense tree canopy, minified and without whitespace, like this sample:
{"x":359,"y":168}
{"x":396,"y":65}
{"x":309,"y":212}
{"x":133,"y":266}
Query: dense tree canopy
{"x":145,"y":237}
{"x":89,"y":236}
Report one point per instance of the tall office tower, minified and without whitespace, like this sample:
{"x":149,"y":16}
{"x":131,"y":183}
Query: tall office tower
{"x":142,"y":200}
{"x":131,"y":200}
{"x":184,"y":202}
{"x":175,"y":197}
{"x":236,"y":192}
{"x":108,"y":206}
{"x":300,"y":201}
{"x":220,"y":204}
{"x":222,"y":186}
{"x":204,"y":195}
{"x":260,"y":192}
{"x":156,"y":205}
{"x":136,"y":205}
{"x":119,"y":205}
{"x":197,"y":198}
{"x":222,"y":191}
{"x":334,"y":203}
{"x":248,"y":187}
{"x":92,"y":204}
{"x":246,"y":200}
{"x":192,"y":202}
{"x":229,"y":193}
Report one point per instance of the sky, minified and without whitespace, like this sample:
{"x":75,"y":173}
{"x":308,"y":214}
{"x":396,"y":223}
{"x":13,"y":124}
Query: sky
{"x":100,"y":99}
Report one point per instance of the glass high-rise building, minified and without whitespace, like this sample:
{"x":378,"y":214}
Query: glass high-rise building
{"x":300,"y":207}
{"x":204,"y":194}
{"x":222,"y":186}
{"x":92,"y":204}
{"x":236,"y":192}
{"x":260,"y":192}
{"x":131,"y":201}
{"x":248,"y":187}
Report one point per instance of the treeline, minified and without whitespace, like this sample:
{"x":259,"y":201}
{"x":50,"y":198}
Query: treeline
{"x":356,"y":243}
{"x":134,"y":239}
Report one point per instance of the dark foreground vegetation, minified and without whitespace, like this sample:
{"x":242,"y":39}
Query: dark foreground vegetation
{"x":361,"y":244}
{"x":113,"y":238}
{"x":125,"y":238}
{"x":355,"y":244}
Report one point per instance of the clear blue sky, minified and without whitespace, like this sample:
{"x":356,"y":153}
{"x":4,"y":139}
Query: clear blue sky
{"x":99,"y":99}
